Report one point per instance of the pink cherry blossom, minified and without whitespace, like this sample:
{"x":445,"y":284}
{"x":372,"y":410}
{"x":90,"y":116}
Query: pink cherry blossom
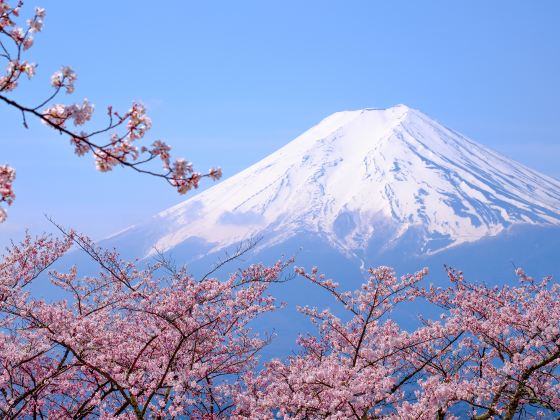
{"x":130,"y":342}
{"x":64,"y":78}
{"x":495,"y":353}
{"x":122,"y":130}
{"x":7,"y":177}
{"x":143,"y":342}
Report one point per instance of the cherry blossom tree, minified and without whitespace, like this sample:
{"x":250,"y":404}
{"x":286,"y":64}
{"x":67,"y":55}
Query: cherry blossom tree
{"x":495,"y":353}
{"x":149,"y":342}
{"x":354,"y":368}
{"x":130,"y":342}
{"x":114,"y":144}
{"x":507,"y":363}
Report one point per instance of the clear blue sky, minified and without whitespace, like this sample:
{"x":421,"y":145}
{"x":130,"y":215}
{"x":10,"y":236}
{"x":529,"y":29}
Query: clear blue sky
{"x":228,"y":82}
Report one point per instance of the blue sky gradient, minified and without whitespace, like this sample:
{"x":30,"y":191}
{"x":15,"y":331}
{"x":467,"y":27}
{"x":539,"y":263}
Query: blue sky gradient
{"x":227,"y":83}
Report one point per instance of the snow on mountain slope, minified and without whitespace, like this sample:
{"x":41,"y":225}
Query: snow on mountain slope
{"x":357,"y":171}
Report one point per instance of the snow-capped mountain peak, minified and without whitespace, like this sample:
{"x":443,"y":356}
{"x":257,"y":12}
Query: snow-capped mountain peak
{"x":359,"y":173}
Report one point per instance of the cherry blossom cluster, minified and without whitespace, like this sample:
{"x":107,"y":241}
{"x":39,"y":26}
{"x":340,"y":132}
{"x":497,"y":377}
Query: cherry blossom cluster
{"x":7,"y":176}
{"x":495,"y":353}
{"x":21,"y":37}
{"x":507,"y":362}
{"x":152,"y":341}
{"x":123,"y":131}
{"x":352,"y":369}
{"x":129,"y":342}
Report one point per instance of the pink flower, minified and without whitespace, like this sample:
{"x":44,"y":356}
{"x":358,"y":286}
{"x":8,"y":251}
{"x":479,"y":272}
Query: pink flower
{"x":124,"y":131}
{"x":65,"y":77}
{"x":7,"y":177}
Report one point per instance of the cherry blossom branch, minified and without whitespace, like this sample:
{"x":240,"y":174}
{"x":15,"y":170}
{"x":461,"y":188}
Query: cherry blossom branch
{"x":494,"y":352}
{"x":125,"y":342}
{"x":124,"y":130}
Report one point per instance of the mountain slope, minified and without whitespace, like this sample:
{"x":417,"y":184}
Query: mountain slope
{"x":360,"y":178}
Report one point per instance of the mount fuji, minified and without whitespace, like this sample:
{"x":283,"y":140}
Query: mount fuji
{"x":371,"y":184}
{"x":362,"y":189}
